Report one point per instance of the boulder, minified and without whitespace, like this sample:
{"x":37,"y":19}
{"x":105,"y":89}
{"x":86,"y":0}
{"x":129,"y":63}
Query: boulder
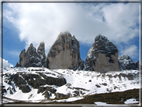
{"x":64,"y":53}
{"x":102,"y":56}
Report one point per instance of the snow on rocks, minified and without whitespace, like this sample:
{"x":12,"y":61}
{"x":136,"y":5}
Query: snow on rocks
{"x":29,"y":80}
{"x":31,"y":57}
{"x":89,"y":55}
{"x":97,"y":82}
{"x":77,"y":83}
{"x":102,"y":56}
{"x":126,"y":63}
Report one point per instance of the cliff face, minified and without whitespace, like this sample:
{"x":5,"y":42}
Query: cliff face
{"x":64,"y":53}
{"x":32,"y":58}
{"x":41,"y":53}
{"x":102,"y":56}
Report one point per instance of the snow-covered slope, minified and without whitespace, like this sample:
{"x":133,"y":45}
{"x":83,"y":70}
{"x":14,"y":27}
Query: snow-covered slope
{"x":95,"y":82}
{"x":64,"y":83}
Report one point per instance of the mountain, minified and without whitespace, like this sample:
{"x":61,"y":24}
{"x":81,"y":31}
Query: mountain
{"x":32,"y":58}
{"x":126,"y":63}
{"x":64,"y":53}
{"x":63,"y":77}
{"x":102,"y":56}
{"x":44,"y":85}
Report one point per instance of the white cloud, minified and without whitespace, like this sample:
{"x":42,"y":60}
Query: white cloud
{"x":123,"y":20}
{"x":44,"y":21}
{"x":131,"y":51}
{"x":5,"y":63}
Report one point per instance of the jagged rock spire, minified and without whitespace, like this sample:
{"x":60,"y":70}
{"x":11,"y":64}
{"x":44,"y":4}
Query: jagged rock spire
{"x":31,"y":58}
{"x":41,"y":52}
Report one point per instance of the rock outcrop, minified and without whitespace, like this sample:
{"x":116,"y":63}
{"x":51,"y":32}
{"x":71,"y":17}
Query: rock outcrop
{"x":102,"y":56}
{"x":26,"y":81}
{"x":31,"y":58}
{"x":126,"y":63}
{"x":64,"y":53}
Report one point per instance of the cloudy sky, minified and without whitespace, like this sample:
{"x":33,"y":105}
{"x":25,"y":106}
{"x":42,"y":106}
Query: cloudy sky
{"x":25,"y":23}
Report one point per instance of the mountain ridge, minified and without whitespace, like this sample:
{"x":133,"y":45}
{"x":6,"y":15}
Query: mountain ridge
{"x":38,"y":78}
{"x":65,"y":54}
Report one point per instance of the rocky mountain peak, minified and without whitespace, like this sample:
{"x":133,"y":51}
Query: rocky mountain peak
{"x":64,"y":53}
{"x":31,"y":45}
{"x":31,"y":50}
{"x":101,"y":38}
{"x":41,"y":48}
{"x":126,"y":63}
{"x":41,"y":45}
{"x":31,"y":58}
{"x":102,"y":45}
{"x":41,"y":52}
{"x":125,"y":57}
{"x":102,"y":56}
{"x":65,"y":34}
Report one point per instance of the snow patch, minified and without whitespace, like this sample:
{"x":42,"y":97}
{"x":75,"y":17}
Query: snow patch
{"x":70,"y":99}
{"x":131,"y":101}
{"x":100,"y":103}
{"x":89,"y":55}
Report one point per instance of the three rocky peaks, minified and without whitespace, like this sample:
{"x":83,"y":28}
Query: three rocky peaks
{"x":65,"y":54}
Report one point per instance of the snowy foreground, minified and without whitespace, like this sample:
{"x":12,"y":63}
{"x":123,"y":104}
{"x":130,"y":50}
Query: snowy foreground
{"x":78,"y":84}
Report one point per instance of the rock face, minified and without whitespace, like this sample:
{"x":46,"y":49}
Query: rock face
{"x":64,"y":53}
{"x":31,"y":58}
{"x":102,"y":56}
{"x":41,"y":52}
{"x":126,"y":63}
{"x":137,"y":64}
{"x":37,"y":80}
